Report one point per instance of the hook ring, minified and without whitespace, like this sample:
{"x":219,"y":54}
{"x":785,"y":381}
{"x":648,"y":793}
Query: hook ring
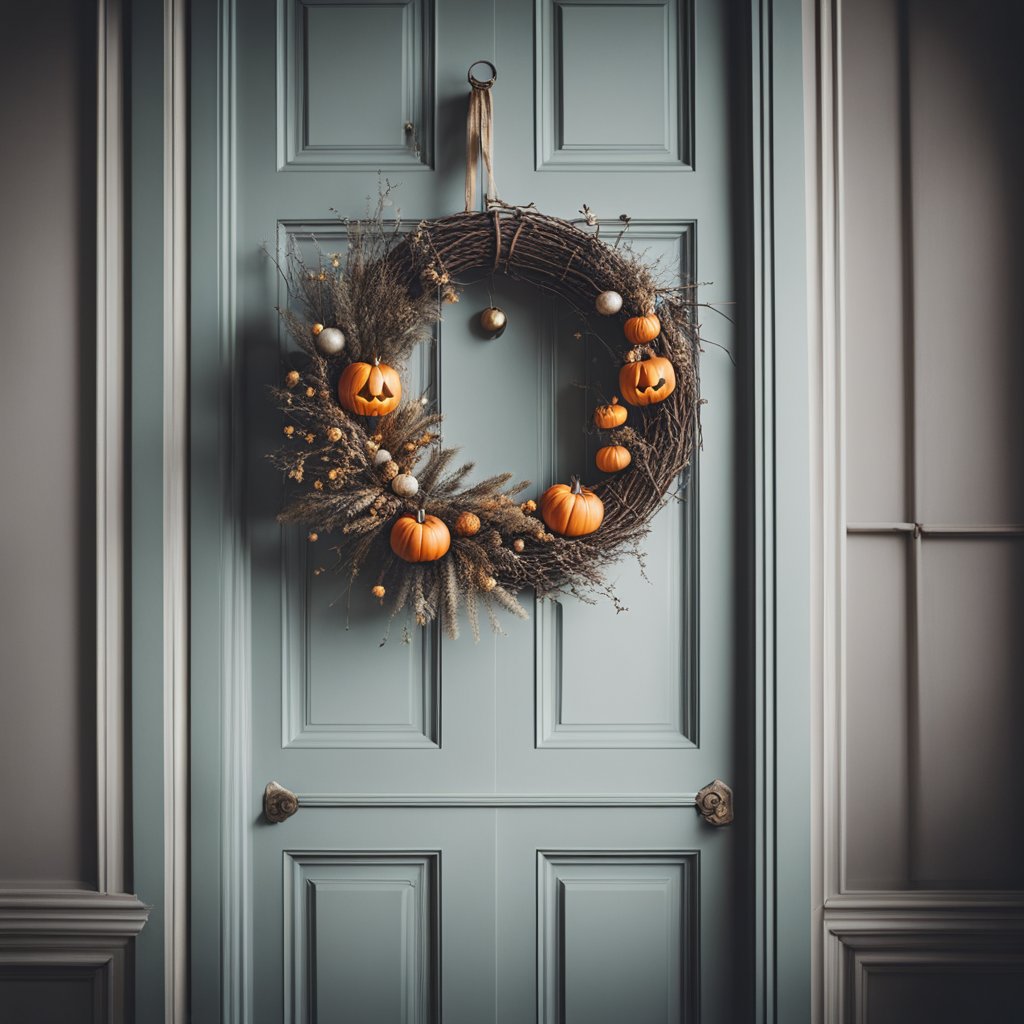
{"x":476,"y":82}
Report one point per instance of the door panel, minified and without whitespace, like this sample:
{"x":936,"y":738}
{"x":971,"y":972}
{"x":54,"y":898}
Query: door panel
{"x":501,"y":830}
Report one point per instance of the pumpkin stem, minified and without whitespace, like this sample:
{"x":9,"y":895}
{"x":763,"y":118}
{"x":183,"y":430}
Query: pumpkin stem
{"x":421,"y":515}
{"x":376,"y":360}
{"x":575,"y":482}
{"x":615,"y":399}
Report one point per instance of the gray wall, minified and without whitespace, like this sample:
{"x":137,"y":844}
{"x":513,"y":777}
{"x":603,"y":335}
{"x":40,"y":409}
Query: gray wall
{"x":65,"y":923}
{"x":924,"y":774}
{"x":47,"y":294}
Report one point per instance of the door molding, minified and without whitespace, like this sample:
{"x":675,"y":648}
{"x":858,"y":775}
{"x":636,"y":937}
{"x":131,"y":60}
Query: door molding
{"x":781,"y":479}
{"x":772,"y":206}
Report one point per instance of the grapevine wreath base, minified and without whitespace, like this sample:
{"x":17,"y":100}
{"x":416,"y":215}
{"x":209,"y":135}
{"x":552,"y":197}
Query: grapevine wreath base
{"x":369,"y":476}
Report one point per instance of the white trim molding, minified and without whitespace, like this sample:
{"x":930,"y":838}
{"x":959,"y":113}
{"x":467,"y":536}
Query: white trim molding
{"x":175,"y":510}
{"x":110,"y":450}
{"x":62,"y":914}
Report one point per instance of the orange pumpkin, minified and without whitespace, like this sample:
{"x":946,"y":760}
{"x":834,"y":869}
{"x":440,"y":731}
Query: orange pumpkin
{"x":420,"y":538}
{"x":612,"y":458}
{"x":642,"y":329}
{"x":647,"y":381}
{"x":468,"y":524}
{"x":608,"y":417}
{"x":370,"y":390}
{"x":571,"y":510}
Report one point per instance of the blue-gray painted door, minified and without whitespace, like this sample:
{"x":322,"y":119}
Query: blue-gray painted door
{"x":501,"y":831}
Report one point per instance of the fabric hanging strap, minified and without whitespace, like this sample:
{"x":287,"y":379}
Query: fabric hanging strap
{"x":480,"y":135}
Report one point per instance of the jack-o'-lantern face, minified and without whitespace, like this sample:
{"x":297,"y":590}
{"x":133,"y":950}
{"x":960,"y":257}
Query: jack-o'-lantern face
{"x":647,"y":381}
{"x":370,"y":389}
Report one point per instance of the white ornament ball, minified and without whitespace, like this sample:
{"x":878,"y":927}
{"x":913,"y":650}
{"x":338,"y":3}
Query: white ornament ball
{"x":608,"y":303}
{"x":330,"y":342}
{"x":405,"y":485}
{"x":382,"y":456}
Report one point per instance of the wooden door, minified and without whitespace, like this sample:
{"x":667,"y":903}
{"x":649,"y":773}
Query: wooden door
{"x":503,"y":830}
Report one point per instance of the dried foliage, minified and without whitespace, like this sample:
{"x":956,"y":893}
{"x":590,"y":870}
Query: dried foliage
{"x":385,"y":295}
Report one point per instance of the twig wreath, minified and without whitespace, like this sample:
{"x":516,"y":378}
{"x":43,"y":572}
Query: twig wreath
{"x":370,"y":475}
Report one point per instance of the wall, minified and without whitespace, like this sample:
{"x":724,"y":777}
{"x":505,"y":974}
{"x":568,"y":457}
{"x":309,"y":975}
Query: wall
{"x":922,"y":542}
{"x":65,"y":920}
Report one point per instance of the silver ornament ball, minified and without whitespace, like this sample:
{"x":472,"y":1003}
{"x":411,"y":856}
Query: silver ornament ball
{"x":382,"y":456}
{"x":608,"y":303}
{"x":405,"y":485}
{"x":330,"y":342}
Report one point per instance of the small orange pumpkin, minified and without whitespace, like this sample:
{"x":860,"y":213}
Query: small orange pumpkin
{"x":612,"y":457}
{"x":608,"y":417}
{"x":370,"y":390}
{"x":647,"y":381}
{"x":571,"y":510}
{"x":468,"y":524}
{"x":642,"y":329}
{"x":420,"y":538}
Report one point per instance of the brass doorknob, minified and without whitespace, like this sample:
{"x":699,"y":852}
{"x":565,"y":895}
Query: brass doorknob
{"x":714,"y":803}
{"x":279,"y":804}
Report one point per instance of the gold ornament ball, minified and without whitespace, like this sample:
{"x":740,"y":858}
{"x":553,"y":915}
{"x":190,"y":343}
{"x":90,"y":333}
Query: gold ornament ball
{"x":317,"y":328}
{"x":608,"y":303}
{"x":292,"y":379}
{"x":493,"y":320}
{"x":313,"y":537}
{"x":330,"y":342}
{"x":468,"y":524}
{"x":518,"y":545}
{"x":488,"y":583}
{"x":333,"y":434}
{"x":378,"y":591}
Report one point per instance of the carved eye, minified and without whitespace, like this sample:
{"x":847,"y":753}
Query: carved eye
{"x":375,"y":396}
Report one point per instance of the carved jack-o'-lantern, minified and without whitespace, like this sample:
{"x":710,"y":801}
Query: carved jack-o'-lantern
{"x":647,"y":381}
{"x":370,"y":390}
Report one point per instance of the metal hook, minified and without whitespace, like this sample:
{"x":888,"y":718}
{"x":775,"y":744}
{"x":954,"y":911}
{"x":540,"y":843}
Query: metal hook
{"x":475,"y":82}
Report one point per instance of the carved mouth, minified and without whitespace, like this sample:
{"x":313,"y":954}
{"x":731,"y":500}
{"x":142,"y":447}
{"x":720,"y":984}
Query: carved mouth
{"x":653,"y":387}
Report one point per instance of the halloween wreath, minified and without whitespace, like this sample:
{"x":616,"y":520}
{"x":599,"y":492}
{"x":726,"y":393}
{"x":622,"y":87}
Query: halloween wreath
{"x":370,"y":476}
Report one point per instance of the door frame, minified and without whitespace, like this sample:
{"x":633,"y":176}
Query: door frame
{"x":189,"y":621}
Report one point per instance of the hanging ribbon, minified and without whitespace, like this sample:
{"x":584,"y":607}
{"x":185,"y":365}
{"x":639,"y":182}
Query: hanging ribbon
{"x":480,"y":135}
